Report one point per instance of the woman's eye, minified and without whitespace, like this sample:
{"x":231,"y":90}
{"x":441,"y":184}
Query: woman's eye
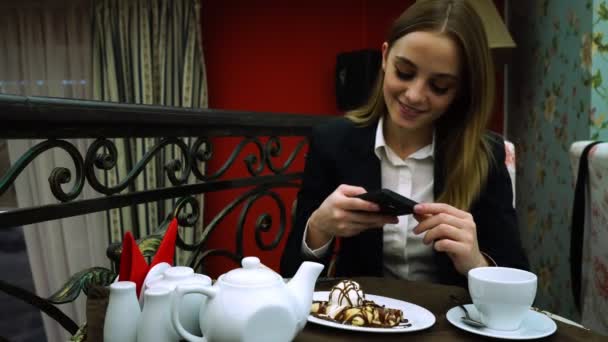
{"x":405,"y":75}
{"x":439,"y":90}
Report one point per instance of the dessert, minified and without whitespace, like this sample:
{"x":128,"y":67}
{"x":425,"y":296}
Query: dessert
{"x":347,"y":305}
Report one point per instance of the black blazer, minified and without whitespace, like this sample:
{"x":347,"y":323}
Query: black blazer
{"x":342,"y":153}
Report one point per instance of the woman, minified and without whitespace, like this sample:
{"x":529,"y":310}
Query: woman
{"x":421,"y":134}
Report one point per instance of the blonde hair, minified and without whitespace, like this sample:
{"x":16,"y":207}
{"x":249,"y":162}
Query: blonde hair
{"x":462,"y":147}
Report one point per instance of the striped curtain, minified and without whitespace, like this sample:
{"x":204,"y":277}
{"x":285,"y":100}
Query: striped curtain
{"x":45,"y":50}
{"x":147,"y":52}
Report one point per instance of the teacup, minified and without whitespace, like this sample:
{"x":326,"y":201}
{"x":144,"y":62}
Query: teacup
{"x":502,"y":295}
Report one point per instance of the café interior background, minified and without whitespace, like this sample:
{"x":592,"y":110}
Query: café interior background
{"x":555,"y":96}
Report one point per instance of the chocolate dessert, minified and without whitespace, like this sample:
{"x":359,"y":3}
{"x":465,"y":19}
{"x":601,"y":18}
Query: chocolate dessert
{"x":347,"y":305}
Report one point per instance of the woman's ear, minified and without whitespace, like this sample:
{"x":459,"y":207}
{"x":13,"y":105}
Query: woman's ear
{"x":384,"y":55}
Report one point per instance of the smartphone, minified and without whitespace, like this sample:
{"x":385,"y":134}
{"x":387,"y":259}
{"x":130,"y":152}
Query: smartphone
{"x":390,"y":202}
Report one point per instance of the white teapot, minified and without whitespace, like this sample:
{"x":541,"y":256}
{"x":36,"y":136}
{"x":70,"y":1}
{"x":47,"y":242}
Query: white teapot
{"x":252,"y":303}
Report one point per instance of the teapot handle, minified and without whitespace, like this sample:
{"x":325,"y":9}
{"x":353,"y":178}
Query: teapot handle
{"x":180,"y":292}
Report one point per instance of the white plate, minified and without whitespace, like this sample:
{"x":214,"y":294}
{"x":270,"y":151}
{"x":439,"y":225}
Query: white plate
{"x":419,"y":317}
{"x":535,"y":325}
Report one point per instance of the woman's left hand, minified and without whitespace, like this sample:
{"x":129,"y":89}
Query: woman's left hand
{"x":452,"y":231}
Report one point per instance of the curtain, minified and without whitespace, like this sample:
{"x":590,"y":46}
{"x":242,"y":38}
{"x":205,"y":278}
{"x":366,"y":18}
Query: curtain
{"x":147,"y":52}
{"x":45,"y":50}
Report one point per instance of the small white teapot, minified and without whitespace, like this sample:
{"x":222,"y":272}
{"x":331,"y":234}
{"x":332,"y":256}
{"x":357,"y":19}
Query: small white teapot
{"x":252,"y":303}
{"x":192,"y":305}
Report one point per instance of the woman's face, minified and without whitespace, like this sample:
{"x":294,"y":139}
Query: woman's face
{"x":421,"y":78}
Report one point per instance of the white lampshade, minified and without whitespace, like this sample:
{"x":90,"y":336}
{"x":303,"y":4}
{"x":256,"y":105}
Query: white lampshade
{"x":498,"y":34}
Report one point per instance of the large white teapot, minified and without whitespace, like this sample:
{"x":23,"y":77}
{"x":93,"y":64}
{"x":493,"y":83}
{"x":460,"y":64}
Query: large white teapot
{"x":252,"y":303}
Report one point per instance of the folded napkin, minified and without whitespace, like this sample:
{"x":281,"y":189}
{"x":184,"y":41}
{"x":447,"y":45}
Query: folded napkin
{"x":133,"y":266}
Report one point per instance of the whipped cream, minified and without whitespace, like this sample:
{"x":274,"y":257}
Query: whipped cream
{"x":346,"y":293}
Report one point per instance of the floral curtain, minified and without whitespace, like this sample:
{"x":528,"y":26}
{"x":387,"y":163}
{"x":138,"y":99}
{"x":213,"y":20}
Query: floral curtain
{"x":147,"y":52}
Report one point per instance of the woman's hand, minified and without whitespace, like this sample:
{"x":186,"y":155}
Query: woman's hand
{"x":342,"y":214}
{"x":452,"y":231}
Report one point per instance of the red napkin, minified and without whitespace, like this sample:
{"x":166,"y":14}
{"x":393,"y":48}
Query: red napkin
{"x":166,"y":250}
{"x":133,"y":266}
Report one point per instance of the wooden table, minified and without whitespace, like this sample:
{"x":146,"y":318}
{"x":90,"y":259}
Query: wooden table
{"x":435,"y":298}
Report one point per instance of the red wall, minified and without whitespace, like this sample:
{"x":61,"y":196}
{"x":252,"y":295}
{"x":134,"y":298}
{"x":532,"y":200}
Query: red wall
{"x":279,"y":56}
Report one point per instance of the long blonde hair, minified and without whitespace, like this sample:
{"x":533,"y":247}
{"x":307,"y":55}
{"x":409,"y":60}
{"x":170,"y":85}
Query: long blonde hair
{"x":462,"y":148}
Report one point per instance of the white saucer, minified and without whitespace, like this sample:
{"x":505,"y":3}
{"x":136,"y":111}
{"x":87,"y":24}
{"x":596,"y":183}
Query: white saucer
{"x":535,"y":325}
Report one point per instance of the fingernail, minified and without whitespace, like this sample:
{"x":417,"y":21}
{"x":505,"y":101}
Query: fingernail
{"x":418,"y":207}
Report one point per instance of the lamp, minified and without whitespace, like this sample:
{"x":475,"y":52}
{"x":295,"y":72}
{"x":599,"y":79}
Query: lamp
{"x":499,"y":39}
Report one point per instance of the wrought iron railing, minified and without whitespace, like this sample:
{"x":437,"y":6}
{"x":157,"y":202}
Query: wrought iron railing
{"x":190,"y":133}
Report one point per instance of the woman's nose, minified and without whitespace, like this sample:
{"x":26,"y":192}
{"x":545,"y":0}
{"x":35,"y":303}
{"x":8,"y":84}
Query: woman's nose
{"x":415,"y":92}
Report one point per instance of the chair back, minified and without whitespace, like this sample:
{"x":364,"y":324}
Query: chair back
{"x":589,"y":250}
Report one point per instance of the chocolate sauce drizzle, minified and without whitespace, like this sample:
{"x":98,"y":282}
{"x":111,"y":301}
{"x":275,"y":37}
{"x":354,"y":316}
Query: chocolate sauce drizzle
{"x":348,"y":286}
{"x":363,"y":312}
{"x":367,"y":315}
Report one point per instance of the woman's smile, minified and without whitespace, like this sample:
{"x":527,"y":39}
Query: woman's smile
{"x":409,"y":112}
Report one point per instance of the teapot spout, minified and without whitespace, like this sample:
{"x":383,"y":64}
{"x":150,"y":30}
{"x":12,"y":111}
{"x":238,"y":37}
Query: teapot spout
{"x":302,"y":286}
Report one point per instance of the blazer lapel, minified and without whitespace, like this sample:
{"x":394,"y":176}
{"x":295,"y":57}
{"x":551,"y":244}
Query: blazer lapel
{"x":447,"y":272}
{"x":438,"y":171}
{"x":364,"y":168}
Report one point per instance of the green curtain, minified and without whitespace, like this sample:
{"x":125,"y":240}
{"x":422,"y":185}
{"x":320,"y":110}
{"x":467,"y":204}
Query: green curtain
{"x":147,"y":52}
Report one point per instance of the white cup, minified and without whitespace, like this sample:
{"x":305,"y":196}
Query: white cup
{"x":502,"y":295}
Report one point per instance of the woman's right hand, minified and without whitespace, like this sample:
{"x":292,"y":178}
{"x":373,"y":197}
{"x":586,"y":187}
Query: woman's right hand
{"x":342,"y":214}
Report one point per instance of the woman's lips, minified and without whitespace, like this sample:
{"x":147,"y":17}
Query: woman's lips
{"x":409,"y":112}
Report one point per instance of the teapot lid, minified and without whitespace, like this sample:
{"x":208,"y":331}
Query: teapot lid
{"x":252,"y":273}
{"x":178,"y":275}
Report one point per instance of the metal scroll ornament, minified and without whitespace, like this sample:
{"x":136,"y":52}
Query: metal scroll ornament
{"x":59,"y":175}
{"x":205,"y":155}
{"x":273,"y":150}
{"x":102,"y":155}
{"x":264,"y":223}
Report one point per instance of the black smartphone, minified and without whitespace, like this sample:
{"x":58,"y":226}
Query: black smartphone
{"x":390,"y":202}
